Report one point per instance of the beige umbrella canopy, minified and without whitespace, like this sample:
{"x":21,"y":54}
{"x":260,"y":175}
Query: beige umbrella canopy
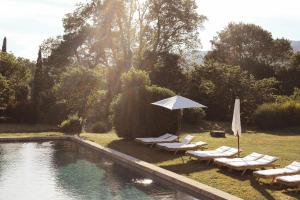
{"x":178,"y":102}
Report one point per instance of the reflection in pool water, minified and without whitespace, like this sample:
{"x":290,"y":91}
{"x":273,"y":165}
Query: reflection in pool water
{"x":64,"y":171}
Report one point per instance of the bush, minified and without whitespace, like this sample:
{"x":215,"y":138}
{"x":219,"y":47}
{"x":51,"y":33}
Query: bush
{"x":72,"y":125}
{"x":55,"y":114}
{"x":101,"y":127}
{"x":217,"y":85}
{"x":21,"y":112}
{"x":134,"y":78}
{"x":134,"y":116}
{"x":278,"y":115}
{"x":193,"y":116}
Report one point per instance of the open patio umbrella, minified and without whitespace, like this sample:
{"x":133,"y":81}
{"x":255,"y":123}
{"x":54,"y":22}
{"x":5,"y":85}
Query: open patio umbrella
{"x":236,"y":122}
{"x":178,"y":102}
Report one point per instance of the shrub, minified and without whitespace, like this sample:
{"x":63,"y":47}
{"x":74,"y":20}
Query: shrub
{"x":134,"y":116}
{"x":217,"y":85}
{"x":135,"y":78}
{"x":71,"y":125}
{"x":55,"y":114}
{"x":21,"y":112}
{"x":277,"y":115}
{"x":101,"y":127}
{"x":193,"y":116}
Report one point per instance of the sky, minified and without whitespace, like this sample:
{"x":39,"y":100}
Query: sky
{"x":26,"y":23}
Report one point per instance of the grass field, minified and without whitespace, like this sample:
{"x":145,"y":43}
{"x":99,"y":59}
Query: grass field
{"x":283,"y":144}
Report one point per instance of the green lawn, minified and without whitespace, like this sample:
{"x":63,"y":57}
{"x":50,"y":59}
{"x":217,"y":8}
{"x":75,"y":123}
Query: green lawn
{"x":284,"y":144}
{"x":16,"y":135}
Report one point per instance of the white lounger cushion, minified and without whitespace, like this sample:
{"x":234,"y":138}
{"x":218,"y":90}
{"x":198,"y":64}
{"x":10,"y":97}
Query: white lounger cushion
{"x":170,"y":138}
{"x":265,"y":160}
{"x":292,"y":168}
{"x":186,"y":140}
{"x":290,"y":179}
{"x":250,"y":157}
{"x":219,"y":152}
{"x":164,"y":136}
{"x":181,"y":145}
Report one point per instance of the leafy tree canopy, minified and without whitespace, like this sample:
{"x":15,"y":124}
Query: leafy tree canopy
{"x":250,"y":47}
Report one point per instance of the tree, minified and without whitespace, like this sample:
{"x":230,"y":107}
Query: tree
{"x":132,"y":113}
{"x":250,"y":47}
{"x":4,"y":45}
{"x":15,"y":77}
{"x":119,"y":32}
{"x":217,"y":85}
{"x":78,"y":87}
{"x":289,"y":76}
{"x":37,"y":85}
{"x":165,"y":69}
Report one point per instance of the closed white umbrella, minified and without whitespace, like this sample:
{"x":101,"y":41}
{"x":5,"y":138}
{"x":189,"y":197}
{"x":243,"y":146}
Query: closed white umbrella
{"x":178,"y":102}
{"x":236,"y":122}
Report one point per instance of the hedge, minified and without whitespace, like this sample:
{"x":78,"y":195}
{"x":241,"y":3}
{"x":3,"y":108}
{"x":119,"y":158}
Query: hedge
{"x":133,"y":115}
{"x":278,"y":115}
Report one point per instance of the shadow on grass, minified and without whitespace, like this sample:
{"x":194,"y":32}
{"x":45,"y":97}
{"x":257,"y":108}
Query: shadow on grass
{"x":188,"y":167}
{"x":143,"y":152}
{"x":293,"y":131}
{"x":262,"y":188}
{"x":293,"y":193}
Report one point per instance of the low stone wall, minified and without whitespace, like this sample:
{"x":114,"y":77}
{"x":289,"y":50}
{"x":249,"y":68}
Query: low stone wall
{"x":195,"y":188}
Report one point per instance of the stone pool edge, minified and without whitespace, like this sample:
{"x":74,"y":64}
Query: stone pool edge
{"x":183,"y":182}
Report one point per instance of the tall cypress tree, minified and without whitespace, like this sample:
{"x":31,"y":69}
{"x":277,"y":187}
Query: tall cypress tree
{"x":4,"y":45}
{"x":37,"y":83}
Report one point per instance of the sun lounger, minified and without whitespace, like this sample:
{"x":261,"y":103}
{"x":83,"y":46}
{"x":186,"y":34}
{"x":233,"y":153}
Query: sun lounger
{"x":182,"y":146}
{"x":293,"y":168}
{"x":220,"y":152}
{"x":251,"y":157}
{"x":291,"y":181}
{"x":153,"y":140}
{"x":265,"y":161}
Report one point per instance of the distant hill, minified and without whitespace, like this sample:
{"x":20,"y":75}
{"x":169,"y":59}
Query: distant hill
{"x":296,"y":45}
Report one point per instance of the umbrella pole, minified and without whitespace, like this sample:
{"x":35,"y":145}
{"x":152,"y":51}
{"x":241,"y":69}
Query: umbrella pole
{"x":238,"y":137}
{"x":180,"y":119}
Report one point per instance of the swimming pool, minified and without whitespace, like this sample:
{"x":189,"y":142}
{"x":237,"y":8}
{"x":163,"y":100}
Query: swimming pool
{"x":62,"y":170}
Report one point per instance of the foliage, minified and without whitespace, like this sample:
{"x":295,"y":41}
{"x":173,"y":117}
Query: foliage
{"x":134,"y":116}
{"x":134,"y":78}
{"x":15,"y":75}
{"x":117,"y":33}
{"x":278,"y":115}
{"x":193,"y":116}
{"x":217,"y":85}
{"x":132,"y":113}
{"x":289,"y":76}
{"x":4,"y":48}
{"x":101,"y":127}
{"x":78,"y":87}
{"x":250,"y":47}
{"x":72,"y":125}
{"x":21,"y":112}
{"x":55,"y":113}
{"x":165,"y":69}
{"x":5,"y":91}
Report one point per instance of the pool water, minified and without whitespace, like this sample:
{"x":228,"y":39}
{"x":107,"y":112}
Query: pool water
{"x":64,"y":171}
